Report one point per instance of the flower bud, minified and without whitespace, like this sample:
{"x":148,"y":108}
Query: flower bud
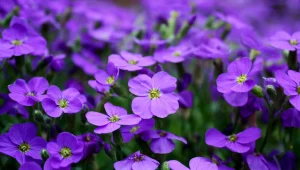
{"x":257,"y":91}
{"x":271,"y":91}
{"x":165,"y":166}
{"x":38,"y":116}
{"x":44,"y":154}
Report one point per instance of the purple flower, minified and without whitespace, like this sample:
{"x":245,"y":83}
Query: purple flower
{"x":5,"y":50}
{"x":285,"y":41}
{"x":12,"y":108}
{"x":155,"y":95}
{"x":98,"y":87}
{"x":65,"y":151}
{"x":161,"y":141}
{"x":199,"y":163}
{"x":211,"y":49}
{"x":130,"y":62}
{"x":291,"y":118}
{"x":21,"y":143}
{"x":186,"y":99}
{"x":239,"y":143}
{"x":87,"y":61}
{"x":31,"y":166}
{"x":59,"y":102}
{"x":174,"y":54}
{"x":291,"y":86}
{"x":58,"y":62}
{"x":137,"y":161}
{"x":108,"y":77}
{"x":239,"y":77}
{"x":116,"y":116}
{"x":257,"y":161}
{"x":28,"y":94}
{"x":128,"y":132}
{"x":91,"y":143}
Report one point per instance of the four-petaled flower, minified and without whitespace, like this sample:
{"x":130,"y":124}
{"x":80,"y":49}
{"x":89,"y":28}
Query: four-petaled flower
{"x":285,"y":41}
{"x":116,"y":116}
{"x":109,"y":76}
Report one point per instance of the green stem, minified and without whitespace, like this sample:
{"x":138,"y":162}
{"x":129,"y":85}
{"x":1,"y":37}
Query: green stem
{"x":292,"y":60}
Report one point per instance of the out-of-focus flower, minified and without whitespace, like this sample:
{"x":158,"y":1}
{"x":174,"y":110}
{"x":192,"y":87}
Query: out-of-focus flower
{"x":58,"y":102}
{"x":31,"y":166}
{"x":174,"y":54}
{"x":212,"y":48}
{"x":155,"y":95}
{"x":137,"y":161}
{"x":58,"y":62}
{"x":291,"y":118}
{"x":128,"y":132}
{"x":87,"y":61}
{"x":12,"y":108}
{"x":130,"y":62}
{"x":239,"y":143}
{"x":257,"y":161}
{"x":285,"y":41}
{"x":21,"y":143}
{"x":161,"y":141}
{"x":66,"y":150}
{"x":116,"y":116}
{"x":28,"y":94}
{"x":291,"y":86}
{"x":108,"y":77}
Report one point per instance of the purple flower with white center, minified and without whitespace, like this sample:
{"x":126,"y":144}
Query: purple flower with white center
{"x":199,"y":163}
{"x":66,"y":150}
{"x":291,"y":118}
{"x":22,"y":143}
{"x":291,"y":85}
{"x":128,"y":132}
{"x":30,"y":165}
{"x":108,"y":77}
{"x":91,"y":143}
{"x":161,"y":141}
{"x":130,"y":62}
{"x":116,"y":116}
{"x":12,"y":108}
{"x":239,"y":77}
{"x":239,"y":143}
{"x":28,"y":94}
{"x":58,"y":102}
{"x":174,"y":54}
{"x":155,"y":95}
{"x":285,"y":41}
{"x":137,"y":161}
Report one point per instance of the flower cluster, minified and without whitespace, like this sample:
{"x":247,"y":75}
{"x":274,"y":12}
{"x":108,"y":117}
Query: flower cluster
{"x":149,"y":84}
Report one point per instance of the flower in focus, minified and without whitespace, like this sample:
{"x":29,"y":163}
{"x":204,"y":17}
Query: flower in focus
{"x":155,"y":95}
{"x":291,"y":85}
{"x":161,"y":141}
{"x":128,"y":132}
{"x":21,"y":143}
{"x":116,"y":116}
{"x":200,"y":163}
{"x":66,"y":150}
{"x":28,"y":94}
{"x":137,"y":161}
{"x":58,"y":102}
{"x":130,"y":62}
{"x":239,"y":143}
{"x":108,"y":77}
{"x":285,"y":41}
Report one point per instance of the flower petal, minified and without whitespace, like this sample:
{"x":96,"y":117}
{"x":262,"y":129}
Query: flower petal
{"x":215,"y":138}
{"x":97,"y":119}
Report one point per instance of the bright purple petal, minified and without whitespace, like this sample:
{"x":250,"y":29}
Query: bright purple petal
{"x":199,"y":163}
{"x":164,"y":82}
{"x":129,"y":120}
{"x":249,"y":135}
{"x":140,"y":85}
{"x":142,"y":106}
{"x":215,"y":138}
{"x":97,"y":119}
{"x":51,"y":108}
{"x":162,"y":145}
{"x":107,"y":128}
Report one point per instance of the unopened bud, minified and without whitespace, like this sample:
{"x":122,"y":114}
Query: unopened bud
{"x":257,"y":91}
{"x":271,"y":91}
{"x":165,"y":166}
{"x":44,"y":154}
{"x":38,"y":116}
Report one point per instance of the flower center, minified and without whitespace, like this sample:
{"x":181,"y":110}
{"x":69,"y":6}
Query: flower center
{"x":17,"y":42}
{"x":134,"y":129}
{"x":298,"y":89}
{"x":232,"y":138}
{"x":114,"y":118}
{"x":65,"y":152}
{"x":154,"y":94}
{"x":63,"y":103}
{"x":162,"y":134}
{"x":241,"y":79}
{"x":30,"y":94}
{"x":110,"y":80}
{"x":88,"y":138}
{"x":215,"y":161}
{"x":24,"y":147}
{"x":132,"y":62}
{"x":294,"y":42}
{"x":177,"y":54}
{"x":138,"y":158}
